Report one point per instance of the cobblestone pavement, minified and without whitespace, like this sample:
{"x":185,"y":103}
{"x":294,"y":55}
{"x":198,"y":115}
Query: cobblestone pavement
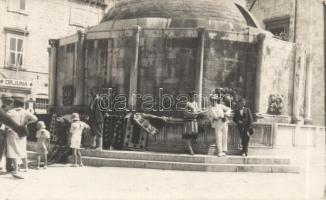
{"x":65,"y":182}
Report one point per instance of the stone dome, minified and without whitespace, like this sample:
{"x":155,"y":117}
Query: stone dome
{"x":182,"y":13}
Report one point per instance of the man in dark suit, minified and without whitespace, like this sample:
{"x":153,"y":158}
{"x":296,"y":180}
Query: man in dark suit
{"x":244,"y":120}
{"x":96,"y":120}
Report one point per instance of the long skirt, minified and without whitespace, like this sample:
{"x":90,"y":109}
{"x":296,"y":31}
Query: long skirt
{"x":190,"y":130}
{"x":16,"y":146}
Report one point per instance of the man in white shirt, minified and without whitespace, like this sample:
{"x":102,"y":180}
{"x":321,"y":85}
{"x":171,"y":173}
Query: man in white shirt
{"x":218,"y":114}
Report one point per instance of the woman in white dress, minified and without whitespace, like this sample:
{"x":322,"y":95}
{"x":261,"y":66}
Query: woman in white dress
{"x":16,"y":146}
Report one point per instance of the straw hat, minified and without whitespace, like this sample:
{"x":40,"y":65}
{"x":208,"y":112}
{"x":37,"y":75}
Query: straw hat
{"x":40,"y":124}
{"x":75,"y":117}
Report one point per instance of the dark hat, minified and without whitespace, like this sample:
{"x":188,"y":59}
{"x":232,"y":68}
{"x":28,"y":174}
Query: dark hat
{"x":6,"y":96}
{"x":18,"y":102}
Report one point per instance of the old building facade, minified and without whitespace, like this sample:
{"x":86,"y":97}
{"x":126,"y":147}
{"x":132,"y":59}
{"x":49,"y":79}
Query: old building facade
{"x":301,"y":22}
{"x":139,"y":48}
{"x":25,"y":29}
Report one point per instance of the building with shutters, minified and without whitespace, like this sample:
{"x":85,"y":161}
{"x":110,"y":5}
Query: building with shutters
{"x":25,"y":28}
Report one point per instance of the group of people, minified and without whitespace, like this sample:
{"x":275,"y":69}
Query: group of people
{"x":13,"y":142}
{"x":218,"y":115}
{"x":14,"y":118}
{"x":13,"y":138}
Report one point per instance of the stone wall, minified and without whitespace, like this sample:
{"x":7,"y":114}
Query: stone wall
{"x":306,"y":30}
{"x":265,"y":10}
{"x":168,"y":59}
{"x":276,"y":74}
{"x":230,"y":61}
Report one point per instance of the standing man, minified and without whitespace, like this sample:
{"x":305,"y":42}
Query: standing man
{"x":96,"y":120}
{"x":244,"y":120}
{"x":217,"y":115}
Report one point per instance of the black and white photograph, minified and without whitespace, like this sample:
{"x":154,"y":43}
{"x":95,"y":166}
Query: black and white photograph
{"x":162,"y":100}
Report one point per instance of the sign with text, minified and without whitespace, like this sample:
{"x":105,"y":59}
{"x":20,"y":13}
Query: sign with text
{"x":15,"y":83}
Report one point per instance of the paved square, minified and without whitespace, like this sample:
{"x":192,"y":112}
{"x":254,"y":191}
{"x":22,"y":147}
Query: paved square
{"x":65,"y":182}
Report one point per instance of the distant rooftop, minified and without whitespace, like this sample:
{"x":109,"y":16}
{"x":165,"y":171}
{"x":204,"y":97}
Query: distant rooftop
{"x":226,"y":11}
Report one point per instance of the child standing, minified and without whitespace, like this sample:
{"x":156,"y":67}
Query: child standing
{"x":43,"y":141}
{"x":76,"y":130}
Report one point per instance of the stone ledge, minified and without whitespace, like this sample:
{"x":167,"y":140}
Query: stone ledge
{"x":105,"y":162}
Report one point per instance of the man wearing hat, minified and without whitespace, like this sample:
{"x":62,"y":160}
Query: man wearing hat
{"x":76,"y":131}
{"x":243,"y":118}
{"x":218,"y":114}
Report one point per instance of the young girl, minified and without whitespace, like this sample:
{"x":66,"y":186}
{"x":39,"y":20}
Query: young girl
{"x":43,"y":141}
{"x":76,"y":130}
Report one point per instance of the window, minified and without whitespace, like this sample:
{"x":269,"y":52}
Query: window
{"x":279,"y":28}
{"x":17,"y":6}
{"x":15,"y":50}
{"x":41,"y":103}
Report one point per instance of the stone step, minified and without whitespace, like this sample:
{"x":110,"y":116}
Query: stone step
{"x":186,"y":166}
{"x":153,"y":156}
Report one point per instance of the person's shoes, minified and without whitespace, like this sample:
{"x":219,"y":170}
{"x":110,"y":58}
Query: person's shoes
{"x":25,"y":170}
{"x":45,"y":167}
{"x":190,"y":151}
{"x":220,"y":155}
{"x":37,"y":168}
{"x":74,"y":165}
{"x":81,"y":165}
{"x":244,"y":154}
{"x":99,"y":149}
{"x":16,"y":175}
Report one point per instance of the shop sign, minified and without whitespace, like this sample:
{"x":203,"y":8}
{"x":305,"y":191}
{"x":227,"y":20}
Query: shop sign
{"x":15,"y":83}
